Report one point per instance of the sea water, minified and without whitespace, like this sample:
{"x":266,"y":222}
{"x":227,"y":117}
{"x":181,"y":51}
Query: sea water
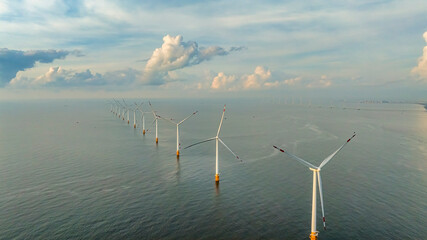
{"x":71,"y":169}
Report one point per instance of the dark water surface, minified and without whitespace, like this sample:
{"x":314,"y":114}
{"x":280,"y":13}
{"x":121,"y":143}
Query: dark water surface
{"x":72,"y":170}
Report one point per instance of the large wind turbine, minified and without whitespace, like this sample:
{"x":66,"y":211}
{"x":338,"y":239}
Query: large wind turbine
{"x":177,"y":129}
{"x":217,"y":139}
{"x":156,"y":117}
{"x":316,"y":176}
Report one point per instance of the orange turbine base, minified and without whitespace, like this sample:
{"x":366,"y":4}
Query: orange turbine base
{"x":313,"y":236}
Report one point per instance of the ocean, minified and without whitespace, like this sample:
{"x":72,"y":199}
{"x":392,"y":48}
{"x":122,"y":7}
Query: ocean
{"x":71,"y":169}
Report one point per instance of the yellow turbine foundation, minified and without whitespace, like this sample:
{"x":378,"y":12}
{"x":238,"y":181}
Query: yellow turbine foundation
{"x":313,"y":236}
{"x":134,"y":126}
{"x":143,"y":131}
{"x":216,"y":177}
{"x":157,"y":140}
{"x":128,"y":121}
{"x":177,"y":153}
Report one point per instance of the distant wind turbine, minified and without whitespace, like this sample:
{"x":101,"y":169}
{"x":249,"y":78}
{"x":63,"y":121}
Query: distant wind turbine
{"x":156,"y":117}
{"x":139,"y":107}
{"x":177,"y":129}
{"x":127,"y":110}
{"x":316,"y":176}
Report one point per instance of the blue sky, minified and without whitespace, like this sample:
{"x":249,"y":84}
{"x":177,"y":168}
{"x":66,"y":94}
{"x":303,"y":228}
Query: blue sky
{"x":64,"y":48}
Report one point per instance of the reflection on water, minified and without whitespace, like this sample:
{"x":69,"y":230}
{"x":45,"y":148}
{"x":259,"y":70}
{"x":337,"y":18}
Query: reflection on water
{"x":217,"y":188}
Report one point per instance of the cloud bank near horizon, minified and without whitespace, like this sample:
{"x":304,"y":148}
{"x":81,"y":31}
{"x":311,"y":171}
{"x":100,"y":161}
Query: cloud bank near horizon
{"x":60,"y":77}
{"x":262,"y":79}
{"x":13,"y":61}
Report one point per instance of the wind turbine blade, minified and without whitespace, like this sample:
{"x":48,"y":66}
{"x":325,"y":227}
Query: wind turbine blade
{"x":194,"y":113}
{"x":152,"y":125}
{"x":296,"y":158}
{"x":169,"y":120}
{"x":151,"y":107}
{"x":229,"y":149}
{"x":207,"y":140}
{"x":326,"y":160}
{"x":321,"y":199}
{"x":220,"y":123}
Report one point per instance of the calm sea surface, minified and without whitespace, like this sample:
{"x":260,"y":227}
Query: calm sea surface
{"x":73,"y":170}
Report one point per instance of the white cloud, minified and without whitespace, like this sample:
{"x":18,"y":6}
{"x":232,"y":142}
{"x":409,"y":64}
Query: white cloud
{"x":13,"y":61}
{"x":323,"y":82}
{"x":176,"y":54}
{"x":292,"y":81}
{"x":222,"y":81}
{"x":421,"y":69}
{"x":59,"y":77}
{"x":289,"y":82}
{"x":50,"y":76}
{"x":257,"y":79}
{"x":262,"y":78}
{"x":4,"y":7}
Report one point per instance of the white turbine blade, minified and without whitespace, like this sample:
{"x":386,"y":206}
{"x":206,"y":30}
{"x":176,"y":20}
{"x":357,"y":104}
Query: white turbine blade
{"x":169,"y":120}
{"x":220,"y":123}
{"x":321,"y":199}
{"x":229,"y":149}
{"x":326,"y":160}
{"x":152,"y":111}
{"x":207,"y":140}
{"x":152,"y":124}
{"x":296,"y":158}
{"x":194,"y":113}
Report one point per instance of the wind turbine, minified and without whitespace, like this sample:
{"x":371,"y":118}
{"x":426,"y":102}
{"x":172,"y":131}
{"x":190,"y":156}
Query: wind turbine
{"x":119,"y":108}
{"x":177,"y":129}
{"x":217,"y":139}
{"x":127,"y":109}
{"x":139,"y":107}
{"x":316,"y":176}
{"x":134,"y":118}
{"x":156,"y":117}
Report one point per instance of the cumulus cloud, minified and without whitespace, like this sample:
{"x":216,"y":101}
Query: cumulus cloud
{"x":176,"y":54}
{"x":13,"y":61}
{"x":292,"y":81}
{"x":421,"y":69}
{"x":222,"y":81}
{"x":257,"y":79}
{"x":261,"y":78}
{"x":264,"y":78}
{"x":59,"y":77}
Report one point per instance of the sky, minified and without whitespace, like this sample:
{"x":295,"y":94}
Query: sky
{"x":372,"y":50}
